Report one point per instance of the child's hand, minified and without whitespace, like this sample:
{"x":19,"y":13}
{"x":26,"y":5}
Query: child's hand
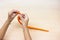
{"x":23,"y":19}
{"x":12,"y":14}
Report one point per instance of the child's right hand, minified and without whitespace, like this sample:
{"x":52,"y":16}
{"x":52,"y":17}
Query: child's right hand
{"x":24,"y":19}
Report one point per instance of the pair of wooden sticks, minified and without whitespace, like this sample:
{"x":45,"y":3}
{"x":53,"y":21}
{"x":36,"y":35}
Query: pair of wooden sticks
{"x":31,"y":27}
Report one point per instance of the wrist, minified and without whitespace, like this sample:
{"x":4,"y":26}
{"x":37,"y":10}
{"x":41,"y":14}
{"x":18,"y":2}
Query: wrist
{"x":25,"y":24}
{"x":25,"y":28}
{"x":9,"y":21}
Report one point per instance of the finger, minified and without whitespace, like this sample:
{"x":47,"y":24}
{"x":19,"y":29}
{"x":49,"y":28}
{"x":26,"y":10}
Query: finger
{"x":26,"y":17}
{"x":13,"y":15}
{"x":21,"y":17}
{"x":14,"y":12}
{"x":20,"y":20}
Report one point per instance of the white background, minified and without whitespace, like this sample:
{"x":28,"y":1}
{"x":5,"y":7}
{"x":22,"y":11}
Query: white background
{"x":42,"y":14}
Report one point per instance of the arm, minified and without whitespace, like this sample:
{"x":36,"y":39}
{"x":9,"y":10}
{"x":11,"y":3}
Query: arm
{"x":26,"y":33}
{"x":4,"y":28}
{"x":24,"y":22}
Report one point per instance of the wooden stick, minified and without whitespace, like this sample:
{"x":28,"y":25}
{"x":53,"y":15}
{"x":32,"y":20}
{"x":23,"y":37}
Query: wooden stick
{"x":31,"y":27}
